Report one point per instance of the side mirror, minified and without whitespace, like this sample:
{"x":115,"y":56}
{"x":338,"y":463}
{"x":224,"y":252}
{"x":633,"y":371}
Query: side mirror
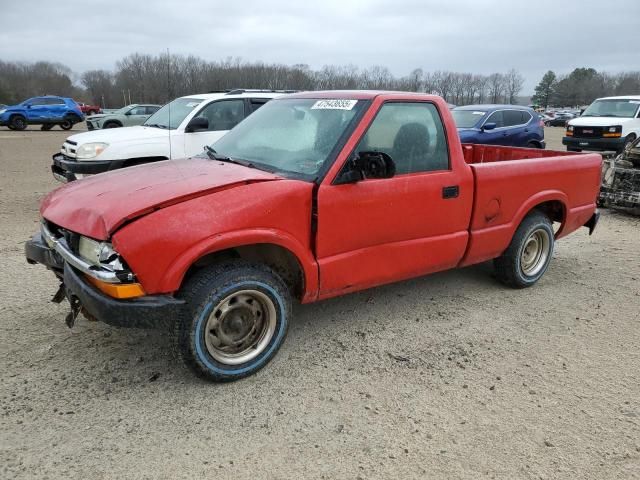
{"x":197,"y":124}
{"x":367,"y":165}
{"x":489,"y":126}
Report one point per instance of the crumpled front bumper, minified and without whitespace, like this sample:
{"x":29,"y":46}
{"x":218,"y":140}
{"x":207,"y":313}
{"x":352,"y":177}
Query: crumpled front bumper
{"x":150,"y":311}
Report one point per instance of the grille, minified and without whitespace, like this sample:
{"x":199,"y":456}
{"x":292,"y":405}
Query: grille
{"x":587,"y":132}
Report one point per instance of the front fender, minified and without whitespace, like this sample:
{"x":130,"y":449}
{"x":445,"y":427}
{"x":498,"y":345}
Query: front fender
{"x":174,"y":275}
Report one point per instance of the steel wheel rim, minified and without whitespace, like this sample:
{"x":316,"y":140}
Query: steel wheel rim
{"x":240,"y":327}
{"x":535,"y":252}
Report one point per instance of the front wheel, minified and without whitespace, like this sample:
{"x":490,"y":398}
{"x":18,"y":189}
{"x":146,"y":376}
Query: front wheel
{"x":66,"y":124}
{"x":18,"y":122}
{"x":235,"y":319}
{"x":526,"y":259}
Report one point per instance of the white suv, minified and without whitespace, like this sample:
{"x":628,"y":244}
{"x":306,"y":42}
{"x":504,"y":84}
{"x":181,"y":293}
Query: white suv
{"x":180,"y":129}
{"x":609,"y":123}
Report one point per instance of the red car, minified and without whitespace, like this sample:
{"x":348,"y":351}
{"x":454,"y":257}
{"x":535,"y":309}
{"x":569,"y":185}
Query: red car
{"x":89,"y":109}
{"x":314,"y":195}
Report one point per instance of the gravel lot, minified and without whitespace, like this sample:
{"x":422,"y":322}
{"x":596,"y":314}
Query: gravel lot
{"x":447,"y":376}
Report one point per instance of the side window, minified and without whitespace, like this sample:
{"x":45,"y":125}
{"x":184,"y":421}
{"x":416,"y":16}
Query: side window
{"x":256,"y":103}
{"x":138,"y":111}
{"x":56,"y":101}
{"x":151,"y":110}
{"x":38,"y":102}
{"x":224,"y":114}
{"x":512,"y":117}
{"x":412,"y":134}
{"x":497,"y":118}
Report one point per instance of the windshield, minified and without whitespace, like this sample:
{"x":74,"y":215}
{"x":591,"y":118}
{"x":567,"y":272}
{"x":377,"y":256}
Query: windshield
{"x":467,"y":118}
{"x":290,"y":135}
{"x":612,"y":108}
{"x":172,"y":114}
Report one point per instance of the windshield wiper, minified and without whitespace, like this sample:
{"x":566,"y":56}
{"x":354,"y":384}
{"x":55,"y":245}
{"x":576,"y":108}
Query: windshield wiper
{"x":213,"y":155}
{"x":156,"y":125}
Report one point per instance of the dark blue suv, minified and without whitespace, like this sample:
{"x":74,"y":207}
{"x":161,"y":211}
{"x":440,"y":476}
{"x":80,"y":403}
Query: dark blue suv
{"x":46,"y":111}
{"x":499,"y":125}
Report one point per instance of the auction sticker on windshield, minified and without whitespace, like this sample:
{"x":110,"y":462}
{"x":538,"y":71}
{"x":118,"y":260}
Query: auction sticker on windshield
{"x":334,"y":105}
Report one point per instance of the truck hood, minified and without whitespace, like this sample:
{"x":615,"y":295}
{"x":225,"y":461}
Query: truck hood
{"x":99,"y":205}
{"x":598,"y":121}
{"x":119,"y":135}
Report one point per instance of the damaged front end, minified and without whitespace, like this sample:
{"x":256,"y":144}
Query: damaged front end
{"x":96,"y":281}
{"x":620,"y":187}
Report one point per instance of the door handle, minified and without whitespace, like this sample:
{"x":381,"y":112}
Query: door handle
{"x":450,"y":192}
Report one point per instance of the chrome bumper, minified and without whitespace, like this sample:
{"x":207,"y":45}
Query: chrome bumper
{"x":60,"y":246}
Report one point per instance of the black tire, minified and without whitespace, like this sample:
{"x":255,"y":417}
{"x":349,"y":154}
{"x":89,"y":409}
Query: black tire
{"x":66,"y":124}
{"x":46,"y":126}
{"x":211,"y":316}
{"x":18,"y":122}
{"x":533,"y":145}
{"x":111,"y":125}
{"x":511,"y":268}
{"x":627,"y":141}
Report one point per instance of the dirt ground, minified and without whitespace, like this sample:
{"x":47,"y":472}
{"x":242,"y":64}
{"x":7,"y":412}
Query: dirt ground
{"x":447,"y":376}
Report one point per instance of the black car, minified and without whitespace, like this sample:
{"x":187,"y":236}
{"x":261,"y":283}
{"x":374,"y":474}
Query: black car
{"x":560,"y":120}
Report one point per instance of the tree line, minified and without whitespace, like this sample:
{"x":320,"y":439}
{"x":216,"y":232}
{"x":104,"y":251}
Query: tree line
{"x":142,"y":78}
{"x":582,"y":86}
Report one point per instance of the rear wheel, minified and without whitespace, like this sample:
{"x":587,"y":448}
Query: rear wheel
{"x":17,"y":122}
{"x":235,"y":319}
{"x":526,"y":259}
{"x":66,"y":124}
{"x":46,"y":126}
{"x":533,"y":145}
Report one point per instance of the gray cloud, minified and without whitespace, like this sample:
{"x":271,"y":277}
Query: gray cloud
{"x":466,"y":35}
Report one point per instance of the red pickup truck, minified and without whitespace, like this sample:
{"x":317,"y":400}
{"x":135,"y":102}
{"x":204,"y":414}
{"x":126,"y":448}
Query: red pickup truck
{"x":89,"y":109}
{"x":314,"y":195}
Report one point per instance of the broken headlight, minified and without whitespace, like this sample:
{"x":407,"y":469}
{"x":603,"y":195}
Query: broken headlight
{"x":100,"y":254}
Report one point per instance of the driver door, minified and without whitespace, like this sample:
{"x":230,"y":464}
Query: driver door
{"x":377,"y":231}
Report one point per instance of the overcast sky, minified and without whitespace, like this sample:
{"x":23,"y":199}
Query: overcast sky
{"x":479,"y":36}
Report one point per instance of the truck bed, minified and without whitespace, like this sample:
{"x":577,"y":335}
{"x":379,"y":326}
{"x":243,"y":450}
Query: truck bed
{"x":474,"y":153}
{"x":509,"y":182}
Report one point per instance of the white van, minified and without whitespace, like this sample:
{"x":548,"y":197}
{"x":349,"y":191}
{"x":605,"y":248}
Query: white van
{"x":608,"y":124}
{"x":180,"y":129}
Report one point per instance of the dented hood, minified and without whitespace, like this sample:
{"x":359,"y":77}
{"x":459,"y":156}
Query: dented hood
{"x":98,"y":205}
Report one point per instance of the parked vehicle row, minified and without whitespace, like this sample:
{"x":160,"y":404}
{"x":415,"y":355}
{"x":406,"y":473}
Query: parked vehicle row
{"x":313,"y":195}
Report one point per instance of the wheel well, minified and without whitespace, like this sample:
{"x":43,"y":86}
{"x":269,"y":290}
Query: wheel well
{"x":554,"y":209}
{"x":139,"y":161}
{"x":117,"y":122}
{"x":281,"y":260}
{"x":535,"y":142}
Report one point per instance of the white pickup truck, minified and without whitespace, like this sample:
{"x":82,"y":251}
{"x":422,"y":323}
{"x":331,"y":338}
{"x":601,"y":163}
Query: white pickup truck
{"x":180,"y":129}
{"x":608,"y":124}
